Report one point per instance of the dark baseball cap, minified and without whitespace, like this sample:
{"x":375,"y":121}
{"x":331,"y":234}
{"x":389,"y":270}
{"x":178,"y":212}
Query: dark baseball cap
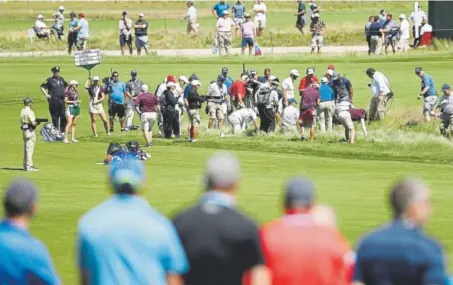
{"x":133,"y":72}
{"x":299,"y":192}
{"x":124,"y":12}
{"x":19,"y":197}
{"x":55,"y":69}
{"x":418,"y":70}
{"x":445,"y":87}
{"x":224,"y":69}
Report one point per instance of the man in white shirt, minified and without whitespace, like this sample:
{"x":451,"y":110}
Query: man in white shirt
{"x":41,"y":30}
{"x":382,"y":93}
{"x":179,"y":95}
{"x":260,"y":16}
{"x":216,"y":96}
{"x":239,"y":119}
{"x":191,"y":17}
{"x":426,"y":28}
{"x":290,"y":117}
{"x":125,"y":26}
{"x":404,"y":34}
{"x":288,"y":86}
{"x":417,"y":18}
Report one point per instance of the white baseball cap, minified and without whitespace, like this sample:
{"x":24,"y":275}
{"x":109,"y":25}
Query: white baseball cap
{"x":40,"y":17}
{"x":402,"y":16}
{"x":324,"y":80}
{"x":244,"y":77}
{"x":195,"y":83}
{"x":225,"y":12}
{"x":310,"y":71}
{"x":272,"y":78}
{"x":294,"y":72}
{"x":144,"y":88}
{"x":171,"y":84}
{"x":141,"y":15}
{"x":61,"y":8}
{"x":73,"y":82}
{"x":330,"y":72}
{"x":96,"y":78}
{"x":184,"y":79}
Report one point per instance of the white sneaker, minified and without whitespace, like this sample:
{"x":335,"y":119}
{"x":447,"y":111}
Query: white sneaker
{"x":222,"y":135}
{"x":109,"y":134}
{"x":66,"y":141}
{"x":96,"y":135}
{"x":32,"y":169}
{"x":193,"y":140}
{"x":75,"y":141}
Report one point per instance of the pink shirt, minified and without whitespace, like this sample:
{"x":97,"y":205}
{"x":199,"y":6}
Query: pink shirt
{"x":224,"y":25}
{"x":248,"y":29}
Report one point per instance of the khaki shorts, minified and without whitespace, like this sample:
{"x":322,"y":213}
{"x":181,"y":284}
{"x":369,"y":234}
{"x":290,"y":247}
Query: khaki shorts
{"x":316,"y":41}
{"x":428,"y":105}
{"x":194,"y":117}
{"x":216,"y":111}
{"x":260,"y":24}
{"x":192,"y":27}
{"x":148,"y":119}
{"x":345,"y":119}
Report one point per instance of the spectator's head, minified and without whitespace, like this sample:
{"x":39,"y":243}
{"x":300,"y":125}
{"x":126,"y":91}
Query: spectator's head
{"x":222,"y":173}
{"x":370,"y":72}
{"x":195,"y":83}
{"x":410,"y":200}
{"x":273,"y":81}
{"x":247,"y":16}
{"x":55,"y":71}
{"x":335,"y":76}
{"x":225,"y":71}
{"x":371,"y":19}
{"x":310,"y":72}
{"x":225,"y":14}
{"x":331,"y":66}
{"x":124,"y":14}
{"x":424,"y":22}
{"x":292,"y":101}
{"x":134,"y":73}
{"x":222,"y":1}
{"x":260,"y":1}
{"x":170,"y":78}
{"x":389,"y":17}
{"x":376,"y":19}
{"x":28,"y":101}
{"x":315,"y":17}
{"x":382,"y":12}
{"x":96,"y":80}
{"x":72,"y":15}
{"x":193,"y":77}
{"x":446,"y":89}
{"x":402,"y":17}
{"x":315,"y":85}
{"x":61,"y":9}
{"x":126,"y":176}
{"x":115,"y":76}
{"x":324,"y":80}
{"x":329,"y":73}
{"x":171,"y":85}
{"x":244,"y":78}
{"x":220,"y":79}
{"x":189,"y":3}
{"x":73,"y":84}
{"x":81,"y":15}
{"x":141,"y":16}
{"x":144,"y":88}
{"x":253,"y":73}
{"x":267,"y":72}
{"x":419,"y":72}
{"x":182,"y":80}
{"x":20,"y":199}
{"x":294,"y":74}
{"x":299,"y":195}
{"x":40,"y":17}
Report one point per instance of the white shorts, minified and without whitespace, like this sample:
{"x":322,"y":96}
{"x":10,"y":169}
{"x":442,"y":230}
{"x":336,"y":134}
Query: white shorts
{"x":148,"y":119}
{"x":96,"y":108}
{"x":260,"y":24}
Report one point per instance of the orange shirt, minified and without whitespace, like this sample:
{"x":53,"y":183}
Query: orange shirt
{"x":307,"y":81}
{"x":297,"y":251}
{"x":237,"y":89}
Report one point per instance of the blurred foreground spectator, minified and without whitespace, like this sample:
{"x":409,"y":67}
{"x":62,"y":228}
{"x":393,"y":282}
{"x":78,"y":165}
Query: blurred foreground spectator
{"x":221,"y":243}
{"x":125,"y":241}
{"x":23,"y":259}
{"x":303,"y":247}
{"x":400,"y":252}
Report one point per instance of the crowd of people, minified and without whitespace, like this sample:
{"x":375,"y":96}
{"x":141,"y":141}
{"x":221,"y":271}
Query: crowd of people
{"x":381,"y":31}
{"x":124,"y":240}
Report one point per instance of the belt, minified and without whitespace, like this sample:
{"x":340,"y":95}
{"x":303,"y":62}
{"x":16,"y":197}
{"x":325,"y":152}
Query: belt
{"x":322,"y":101}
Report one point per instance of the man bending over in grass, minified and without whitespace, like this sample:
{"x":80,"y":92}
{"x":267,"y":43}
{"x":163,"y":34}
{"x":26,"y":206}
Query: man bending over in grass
{"x":428,"y":92}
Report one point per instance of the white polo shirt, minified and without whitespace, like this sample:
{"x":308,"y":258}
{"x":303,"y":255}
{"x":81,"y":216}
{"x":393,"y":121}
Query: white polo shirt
{"x":380,"y":84}
{"x":39,"y":24}
{"x":192,"y":14}
{"x":427,"y":28}
{"x":242,"y":116}
{"x":290,"y":117}
{"x":258,"y":7}
{"x":288,"y":85}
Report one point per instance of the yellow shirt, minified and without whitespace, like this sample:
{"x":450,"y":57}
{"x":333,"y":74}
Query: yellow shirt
{"x":27,"y":116}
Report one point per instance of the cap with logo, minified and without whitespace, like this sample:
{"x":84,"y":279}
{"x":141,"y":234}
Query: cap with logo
{"x":335,"y":75}
{"x":247,"y":15}
{"x":331,"y":66}
{"x":19,"y":197}
{"x":292,"y":101}
{"x":40,"y":17}
{"x":144,"y":88}
{"x":402,"y":16}
{"x":299,"y":192}
{"x":183,"y":79}
{"x":193,"y":77}
{"x":61,"y":8}
{"x":73,"y":82}
{"x":141,"y":15}
{"x":225,"y":12}
{"x":324,"y":80}
{"x":171,"y":84}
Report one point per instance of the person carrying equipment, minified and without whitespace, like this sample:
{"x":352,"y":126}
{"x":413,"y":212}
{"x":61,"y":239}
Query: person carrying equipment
{"x":267,"y":102}
{"x":216,"y":97}
{"x":445,"y":106}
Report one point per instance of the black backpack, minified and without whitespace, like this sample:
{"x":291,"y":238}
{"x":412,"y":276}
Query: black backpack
{"x":113,"y":148}
{"x":133,"y":146}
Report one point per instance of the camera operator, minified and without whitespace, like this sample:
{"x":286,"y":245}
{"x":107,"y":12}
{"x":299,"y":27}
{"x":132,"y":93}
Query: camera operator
{"x":251,"y":88}
{"x":267,"y":101}
{"x":117,"y":94}
{"x":193,"y":103}
{"x":54,"y":90}
{"x":133,"y":89}
{"x":28,"y":125}
{"x":171,"y":116}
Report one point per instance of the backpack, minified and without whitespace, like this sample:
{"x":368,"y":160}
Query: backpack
{"x":113,"y":148}
{"x":51,"y":134}
{"x":136,"y":151}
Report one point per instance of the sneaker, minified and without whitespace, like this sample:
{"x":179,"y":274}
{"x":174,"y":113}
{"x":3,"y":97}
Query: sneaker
{"x":109,"y":134}
{"x":222,"y":135}
{"x":96,"y":135}
{"x":111,"y":130}
{"x":32,"y":169}
{"x":193,"y":140}
{"x":150,"y":144}
{"x":75,"y":141}
{"x":66,"y":141}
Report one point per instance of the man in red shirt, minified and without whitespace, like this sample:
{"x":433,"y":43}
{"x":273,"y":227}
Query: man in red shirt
{"x":308,"y":105}
{"x":308,"y":80}
{"x":237,"y":91}
{"x":297,"y":249}
{"x":147,"y":106}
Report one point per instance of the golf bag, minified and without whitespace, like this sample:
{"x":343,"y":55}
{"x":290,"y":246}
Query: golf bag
{"x":51,"y":134}
{"x":134,"y":149}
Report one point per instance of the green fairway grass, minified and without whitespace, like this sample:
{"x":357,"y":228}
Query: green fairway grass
{"x":354,"y":179}
{"x":345,"y":23}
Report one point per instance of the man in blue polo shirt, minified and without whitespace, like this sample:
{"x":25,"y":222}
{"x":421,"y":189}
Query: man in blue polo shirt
{"x":326,"y":106}
{"x":117,"y":93}
{"x":428,"y":93}
{"x":228,"y":80}
{"x":23,"y":258}
{"x":400,"y":252}
{"x":219,"y":8}
{"x":125,"y":241}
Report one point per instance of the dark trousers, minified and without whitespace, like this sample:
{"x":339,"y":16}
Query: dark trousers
{"x":57,"y":113}
{"x":171,"y":123}
{"x":267,"y":118}
{"x":368,"y":40}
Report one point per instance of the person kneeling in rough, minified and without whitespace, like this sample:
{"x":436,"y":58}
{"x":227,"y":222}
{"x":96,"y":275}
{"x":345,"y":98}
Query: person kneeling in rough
{"x":239,"y":119}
